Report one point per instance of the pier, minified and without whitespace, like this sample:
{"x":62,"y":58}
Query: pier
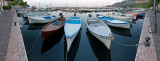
{"x":11,"y":40}
{"x":152,"y":51}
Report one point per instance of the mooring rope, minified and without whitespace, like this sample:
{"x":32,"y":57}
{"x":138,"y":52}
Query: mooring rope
{"x":134,"y":45}
{"x":33,"y":44}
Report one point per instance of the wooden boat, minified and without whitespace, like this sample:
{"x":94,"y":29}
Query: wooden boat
{"x":41,"y":19}
{"x":98,"y":48}
{"x":69,"y":56}
{"x":71,"y":28}
{"x":116,"y":16}
{"x":135,"y":16}
{"x":52,"y":40}
{"x":25,"y":15}
{"x":114,"y":22}
{"x":100,"y":30}
{"x":33,"y":14}
{"x":53,"y":27}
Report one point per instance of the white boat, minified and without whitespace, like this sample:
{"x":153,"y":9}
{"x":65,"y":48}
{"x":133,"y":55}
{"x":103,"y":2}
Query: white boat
{"x":28,"y":14}
{"x":41,"y":19}
{"x":31,"y":14}
{"x":100,"y":30}
{"x":115,"y":22}
{"x":71,"y":28}
{"x":120,"y":16}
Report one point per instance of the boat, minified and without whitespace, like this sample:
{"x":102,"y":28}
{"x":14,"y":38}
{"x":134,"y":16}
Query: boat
{"x":98,"y":48}
{"x":118,"y":16}
{"x":135,"y":16}
{"x":51,"y":41}
{"x":114,"y":22}
{"x":32,"y":14}
{"x":69,"y":56}
{"x":100,"y":30}
{"x":26,"y":14}
{"x":71,"y":29}
{"x":41,"y":19}
{"x":120,"y":31}
{"x":53,"y":27}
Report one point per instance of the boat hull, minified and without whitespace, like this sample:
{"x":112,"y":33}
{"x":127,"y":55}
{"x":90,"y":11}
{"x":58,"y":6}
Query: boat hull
{"x":70,"y":41}
{"x":122,"y":18}
{"x":105,"y":41}
{"x":39,"y":21}
{"x":125,"y":25}
{"x":46,"y":34}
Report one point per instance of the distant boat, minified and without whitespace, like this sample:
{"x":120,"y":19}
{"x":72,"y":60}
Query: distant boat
{"x":31,"y":14}
{"x":53,"y":27}
{"x":119,"y":16}
{"x":98,"y":48}
{"x":26,"y":14}
{"x":115,"y":22}
{"x":100,"y":30}
{"x":71,"y":28}
{"x":41,"y":19}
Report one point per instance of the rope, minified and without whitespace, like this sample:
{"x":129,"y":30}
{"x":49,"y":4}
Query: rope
{"x":134,"y":45}
{"x":33,"y":44}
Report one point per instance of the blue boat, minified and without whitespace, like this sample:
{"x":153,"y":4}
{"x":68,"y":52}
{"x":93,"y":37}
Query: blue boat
{"x":114,"y":22}
{"x":71,"y":28}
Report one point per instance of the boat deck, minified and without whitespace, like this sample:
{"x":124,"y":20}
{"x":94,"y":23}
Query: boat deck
{"x":97,"y":27}
{"x":54,"y":27}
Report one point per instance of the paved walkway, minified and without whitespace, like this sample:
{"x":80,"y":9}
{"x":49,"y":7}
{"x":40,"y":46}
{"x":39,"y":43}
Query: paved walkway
{"x":151,"y":53}
{"x":156,"y":37}
{"x":5,"y":28}
{"x":16,"y":50}
{"x":11,"y":40}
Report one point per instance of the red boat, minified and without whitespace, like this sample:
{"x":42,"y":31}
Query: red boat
{"x":53,"y":27}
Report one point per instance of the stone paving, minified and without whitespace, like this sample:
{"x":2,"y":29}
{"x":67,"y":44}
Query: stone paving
{"x":11,"y":40}
{"x":146,"y":53}
{"x":16,"y":50}
{"x":5,"y":28}
{"x":151,"y":53}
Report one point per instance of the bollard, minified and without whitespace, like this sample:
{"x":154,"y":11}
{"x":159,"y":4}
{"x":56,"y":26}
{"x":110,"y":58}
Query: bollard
{"x":15,"y":24}
{"x":147,"y":44}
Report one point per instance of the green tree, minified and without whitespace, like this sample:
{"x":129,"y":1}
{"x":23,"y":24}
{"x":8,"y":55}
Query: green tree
{"x":12,"y":3}
{"x":151,"y":3}
{"x":22,"y":4}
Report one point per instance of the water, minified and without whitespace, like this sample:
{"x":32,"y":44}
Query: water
{"x":86,"y":47}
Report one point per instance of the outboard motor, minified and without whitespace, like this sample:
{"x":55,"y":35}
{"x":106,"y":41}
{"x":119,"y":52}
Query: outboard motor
{"x":97,"y":14}
{"x":60,"y":14}
{"x":89,"y":15}
{"x":75,"y":14}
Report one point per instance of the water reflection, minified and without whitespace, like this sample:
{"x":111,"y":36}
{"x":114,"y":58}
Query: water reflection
{"x":121,"y":31}
{"x":35,"y":26}
{"x":99,"y":49}
{"x":51,"y":41}
{"x":73,"y":50}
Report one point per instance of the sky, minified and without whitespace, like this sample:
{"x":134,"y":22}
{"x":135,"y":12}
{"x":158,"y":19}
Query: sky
{"x":71,"y":3}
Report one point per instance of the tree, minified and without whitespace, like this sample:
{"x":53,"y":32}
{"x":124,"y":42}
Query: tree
{"x":151,"y":3}
{"x":22,"y":4}
{"x":12,"y":3}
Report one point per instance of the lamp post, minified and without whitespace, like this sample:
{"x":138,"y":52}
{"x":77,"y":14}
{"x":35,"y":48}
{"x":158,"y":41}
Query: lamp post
{"x":154,"y":19}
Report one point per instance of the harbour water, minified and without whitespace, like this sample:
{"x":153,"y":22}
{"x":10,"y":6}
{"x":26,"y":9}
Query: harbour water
{"x":86,"y":47}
